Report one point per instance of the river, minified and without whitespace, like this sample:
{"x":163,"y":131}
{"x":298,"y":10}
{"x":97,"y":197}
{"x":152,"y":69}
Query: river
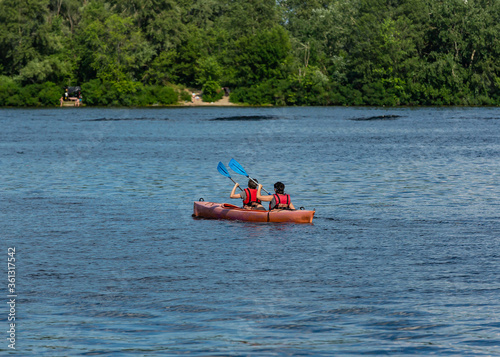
{"x":402,"y":257}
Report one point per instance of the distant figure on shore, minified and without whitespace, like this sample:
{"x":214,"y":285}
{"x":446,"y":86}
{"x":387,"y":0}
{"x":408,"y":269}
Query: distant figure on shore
{"x":78,"y":99}
{"x":64,"y":97}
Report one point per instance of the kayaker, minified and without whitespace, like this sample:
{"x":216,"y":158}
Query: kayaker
{"x":248,"y":195}
{"x":280,"y":200}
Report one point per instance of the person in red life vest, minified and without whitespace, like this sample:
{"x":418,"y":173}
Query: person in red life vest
{"x":248,"y":195}
{"x":280,"y":200}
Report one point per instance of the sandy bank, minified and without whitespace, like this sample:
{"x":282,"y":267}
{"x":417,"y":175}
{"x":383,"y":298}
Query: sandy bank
{"x":220,"y":103}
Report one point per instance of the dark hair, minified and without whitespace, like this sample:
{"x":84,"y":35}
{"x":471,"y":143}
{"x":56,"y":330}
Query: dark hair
{"x":252,"y":184}
{"x":279,"y":187}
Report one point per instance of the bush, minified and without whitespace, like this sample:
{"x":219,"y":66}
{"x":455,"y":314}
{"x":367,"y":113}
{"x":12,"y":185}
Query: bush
{"x":146,"y":96}
{"x":106,"y":93}
{"x":94,"y":92}
{"x":261,"y":94}
{"x":30,"y":94}
{"x":185,"y":96}
{"x":9,"y":92}
{"x":212,"y":92}
{"x":166,"y":95}
{"x":50,"y":94}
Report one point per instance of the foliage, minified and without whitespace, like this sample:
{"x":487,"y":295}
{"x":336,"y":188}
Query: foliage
{"x":102,"y":93}
{"x":49,"y":94}
{"x":287,"y":52}
{"x":262,"y":56}
{"x":208,"y":69}
{"x":9,"y":92}
{"x":212,"y":91}
{"x":258,"y":95}
{"x":185,"y":96}
{"x":31,"y":95}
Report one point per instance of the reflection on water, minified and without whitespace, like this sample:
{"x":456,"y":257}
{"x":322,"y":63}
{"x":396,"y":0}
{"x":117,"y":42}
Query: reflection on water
{"x":402,"y":257}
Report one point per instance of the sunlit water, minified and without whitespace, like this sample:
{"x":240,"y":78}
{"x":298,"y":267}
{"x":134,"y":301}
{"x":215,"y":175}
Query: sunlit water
{"x":402,"y":257}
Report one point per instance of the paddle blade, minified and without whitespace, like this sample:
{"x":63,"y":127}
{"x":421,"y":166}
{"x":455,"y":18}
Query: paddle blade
{"x":222,"y":169}
{"x":236,"y":167}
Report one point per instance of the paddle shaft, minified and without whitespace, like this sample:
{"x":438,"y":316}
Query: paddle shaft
{"x":235,"y":184}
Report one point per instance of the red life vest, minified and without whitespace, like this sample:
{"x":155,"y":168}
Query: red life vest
{"x":282,"y":201}
{"x":251,"y":198}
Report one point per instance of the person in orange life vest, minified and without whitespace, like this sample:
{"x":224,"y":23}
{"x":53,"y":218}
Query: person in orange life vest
{"x":248,"y":195}
{"x":280,"y":200}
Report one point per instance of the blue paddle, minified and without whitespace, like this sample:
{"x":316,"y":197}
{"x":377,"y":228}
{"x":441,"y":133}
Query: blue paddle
{"x":236,"y":167}
{"x":222,"y":169}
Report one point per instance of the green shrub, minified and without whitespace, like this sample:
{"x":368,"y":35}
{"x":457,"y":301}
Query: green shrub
{"x":9,"y":92}
{"x":212,"y":92}
{"x":15,"y":101}
{"x":96,"y":92}
{"x":93,"y":93}
{"x":30,"y":95}
{"x":166,"y":95}
{"x":261,"y":94}
{"x":185,"y":96}
{"x":50,"y":94}
{"x":145,"y":97}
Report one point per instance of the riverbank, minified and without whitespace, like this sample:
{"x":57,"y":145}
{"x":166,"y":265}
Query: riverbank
{"x":198,"y":102}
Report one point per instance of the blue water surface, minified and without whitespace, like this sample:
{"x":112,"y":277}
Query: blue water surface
{"x":402,"y":257}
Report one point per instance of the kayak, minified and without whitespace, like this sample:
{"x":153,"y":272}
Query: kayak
{"x":228,"y":211}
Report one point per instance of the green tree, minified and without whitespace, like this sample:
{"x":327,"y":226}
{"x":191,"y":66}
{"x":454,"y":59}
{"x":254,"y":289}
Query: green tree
{"x":262,"y":56}
{"x":464,"y":53}
{"x":32,"y":42}
{"x":114,"y":48}
{"x":208,"y":69}
{"x":249,"y":18}
{"x":20,"y":32}
{"x":285,"y":52}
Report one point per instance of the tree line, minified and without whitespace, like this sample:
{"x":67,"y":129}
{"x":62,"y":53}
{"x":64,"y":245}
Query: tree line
{"x":279,"y":52}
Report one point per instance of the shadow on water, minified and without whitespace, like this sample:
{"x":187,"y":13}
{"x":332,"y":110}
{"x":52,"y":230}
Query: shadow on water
{"x":479,"y":118}
{"x":378,"y":117}
{"x":246,"y":117}
{"x":126,"y":119}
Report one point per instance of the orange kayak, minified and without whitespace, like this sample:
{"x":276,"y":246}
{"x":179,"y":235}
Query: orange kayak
{"x":229,"y":211}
